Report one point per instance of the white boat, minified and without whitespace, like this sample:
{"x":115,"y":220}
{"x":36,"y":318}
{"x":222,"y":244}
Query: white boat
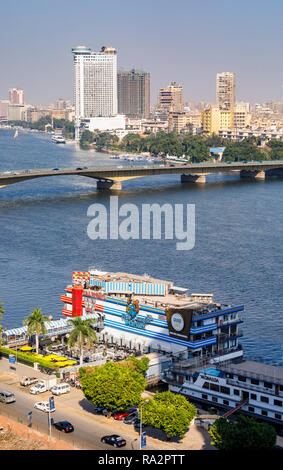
{"x":58,"y":139}
{"x":16,"y":133}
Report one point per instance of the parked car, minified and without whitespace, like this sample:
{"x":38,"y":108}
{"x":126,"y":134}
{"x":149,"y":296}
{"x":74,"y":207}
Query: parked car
{"x":114,"y":440}
{"x":121,"y":415}
{"x":98,"y":409}
{"x":78,"y":168}
{"x":60,"y":389}
{"x":43,"y":406}
{"x":137,"y":424}
{"x":28,"y":381}
{"x":112,"y":412}
{"x":131,"y":418}
{"x":40,"y":387}
{"x":64,"y":426}
{"x":7,"y":397}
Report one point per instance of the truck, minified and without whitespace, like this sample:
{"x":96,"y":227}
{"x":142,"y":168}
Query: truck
{"x":43,"y":385}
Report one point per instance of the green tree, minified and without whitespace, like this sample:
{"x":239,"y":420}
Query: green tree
{"x":169,"y":412}
{"x":244,"y":433}
{"x":82,"y":333}
{"x":35,"y":324}
{"x":113,"y":385}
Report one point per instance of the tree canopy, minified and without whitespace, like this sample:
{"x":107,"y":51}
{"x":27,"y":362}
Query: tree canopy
{"x":113,"y":385}
{"x":169,"y":412}
{"x":243,"y":433}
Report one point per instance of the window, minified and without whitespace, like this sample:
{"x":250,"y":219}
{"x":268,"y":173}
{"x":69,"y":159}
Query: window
{"x":264,"y":399}
{"x":225,"y":390}
{"x":205,"y":385}
{"x":214,"y":387}
{"x":241,"y":378}
{"x":254,"y":382}
{"x":225,"y":402}
{"x":277,"y":416}
{"x":267,"y":385}
{"x":214,"y":399}
{"x":264,"y":413}
{"x":251,"y":409}
{"x":236,"y":391}
{"x":278,"y":402}
{"x":253,"y":396}
{"x":204,"y":395}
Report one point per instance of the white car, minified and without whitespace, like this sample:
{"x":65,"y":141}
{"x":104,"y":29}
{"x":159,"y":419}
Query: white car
{"x":38,"y":388}
{"x":43,"y":406}
{"x":28,"y":381}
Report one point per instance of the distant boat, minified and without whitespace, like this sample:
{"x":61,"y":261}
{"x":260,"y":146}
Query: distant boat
{"x":58,"y":139}
{"x":16,"y":133}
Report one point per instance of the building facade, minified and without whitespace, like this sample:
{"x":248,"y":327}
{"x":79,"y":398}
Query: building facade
{"x":225,"y":90}
{"x":16,"y":96}
{"x":170,"y":100}
{"x":133,"y":87}
{"x":95,"y":92}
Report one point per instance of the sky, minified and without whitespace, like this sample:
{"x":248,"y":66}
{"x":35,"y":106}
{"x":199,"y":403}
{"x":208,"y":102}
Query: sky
{"x":187,"y":41}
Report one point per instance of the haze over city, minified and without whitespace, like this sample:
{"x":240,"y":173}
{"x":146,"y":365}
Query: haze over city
{"x":185,"y":41}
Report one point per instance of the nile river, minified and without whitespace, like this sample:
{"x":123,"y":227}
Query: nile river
{"x":237,"y":256}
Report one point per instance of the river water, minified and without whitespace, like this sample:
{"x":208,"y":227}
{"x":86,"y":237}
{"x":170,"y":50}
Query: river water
{"x":237,"y":255}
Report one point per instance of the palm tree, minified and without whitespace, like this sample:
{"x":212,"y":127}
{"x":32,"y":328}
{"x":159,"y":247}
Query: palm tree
{"x":35,"y":324}
{"x":82,"y":333}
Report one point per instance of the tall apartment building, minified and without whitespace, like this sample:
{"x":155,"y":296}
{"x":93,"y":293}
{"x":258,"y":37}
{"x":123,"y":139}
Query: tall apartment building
{"x":16,"y":96}
{"x":95,"y":82}
{"x":134,"y":93}
{"x":214,"y":119}
{"x":225,"y":90}
{"x":171,"y":100}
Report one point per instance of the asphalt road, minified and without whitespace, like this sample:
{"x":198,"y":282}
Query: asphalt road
{"x":89,"y":428}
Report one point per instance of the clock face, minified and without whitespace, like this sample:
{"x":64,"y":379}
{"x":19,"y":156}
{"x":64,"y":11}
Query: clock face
{"x":177,"y":322}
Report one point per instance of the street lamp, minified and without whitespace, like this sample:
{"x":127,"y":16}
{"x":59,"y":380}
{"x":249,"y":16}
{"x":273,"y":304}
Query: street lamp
{"x":146,"y":401}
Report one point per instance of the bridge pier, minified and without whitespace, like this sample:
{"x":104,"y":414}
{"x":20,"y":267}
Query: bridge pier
{"x":113,"y":185}
{"x":193,"y":178}
{"x":259,"y":175}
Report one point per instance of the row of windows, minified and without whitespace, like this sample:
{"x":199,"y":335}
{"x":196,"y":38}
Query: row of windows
{"x":226,"y":390}
{"x":241,"y":378}
{"x":250,"y":408}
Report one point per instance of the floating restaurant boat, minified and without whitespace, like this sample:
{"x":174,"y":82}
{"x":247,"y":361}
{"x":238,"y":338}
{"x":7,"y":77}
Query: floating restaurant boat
{"x":152,"y":315}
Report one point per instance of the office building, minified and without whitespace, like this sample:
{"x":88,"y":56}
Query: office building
{"x":214,"y":119}
{"x":225,"y":90}
{"x":134,"y":93}
{"x":16,"y":96}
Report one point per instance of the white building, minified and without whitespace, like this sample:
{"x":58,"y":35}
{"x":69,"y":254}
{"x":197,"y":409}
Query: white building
{"x":95,"y":82}
{"x":103,"y":123}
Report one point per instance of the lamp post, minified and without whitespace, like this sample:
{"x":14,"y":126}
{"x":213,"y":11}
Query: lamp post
{"x":146,"y":401}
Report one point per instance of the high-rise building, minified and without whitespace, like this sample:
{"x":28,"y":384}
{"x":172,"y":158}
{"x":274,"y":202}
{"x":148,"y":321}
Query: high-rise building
{"x":16,"y":96}
{"x":134,"y":93}
{"x":95,"y":82}
{"x":225,"y":90}
{"x":214,"y":119}
{"x":171,"y":100}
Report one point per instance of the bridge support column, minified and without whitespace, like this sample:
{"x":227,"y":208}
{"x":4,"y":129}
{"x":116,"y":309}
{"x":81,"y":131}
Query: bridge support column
{"x":193,"y":179}
{"x":259,"y":175}
{"x":113,"y":185}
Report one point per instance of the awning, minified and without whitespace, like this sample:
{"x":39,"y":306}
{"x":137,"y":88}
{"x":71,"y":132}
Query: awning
{"x":16,"y":331}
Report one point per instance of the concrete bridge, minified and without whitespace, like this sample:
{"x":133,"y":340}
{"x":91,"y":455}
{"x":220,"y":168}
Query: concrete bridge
{"x":112,"y":177}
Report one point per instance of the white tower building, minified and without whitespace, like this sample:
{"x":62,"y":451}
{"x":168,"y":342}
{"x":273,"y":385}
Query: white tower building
{"x":95,"y":83}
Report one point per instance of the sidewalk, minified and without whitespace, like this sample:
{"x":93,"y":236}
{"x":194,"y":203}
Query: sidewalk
{"x":195,"y":439}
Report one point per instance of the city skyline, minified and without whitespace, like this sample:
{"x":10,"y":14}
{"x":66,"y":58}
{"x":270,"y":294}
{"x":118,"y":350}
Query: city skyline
{"x":189,"y":45}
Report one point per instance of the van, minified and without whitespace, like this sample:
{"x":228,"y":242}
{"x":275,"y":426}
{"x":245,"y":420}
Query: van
{"x":60,"y":389}
{"x":7,"y":397}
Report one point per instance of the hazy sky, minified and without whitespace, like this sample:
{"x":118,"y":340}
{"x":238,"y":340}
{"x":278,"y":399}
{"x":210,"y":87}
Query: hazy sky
{"x":187,"y":41}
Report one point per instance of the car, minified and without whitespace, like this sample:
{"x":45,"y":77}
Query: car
{"x":78,"y":168}
{"x":121,"y":415}
{"x":40,"y":387}
{"x":131,"y":418}
{"x":55,"y":169}
{"x":64,"y":426}
{"x":7,"y":397}
{"x":114,"y":440}
{"x":112,"y":412}
{"x":28,"y":381}
{"x":137,"y":424}
{"x":98,"y":409}
{"x":43,"y":406}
